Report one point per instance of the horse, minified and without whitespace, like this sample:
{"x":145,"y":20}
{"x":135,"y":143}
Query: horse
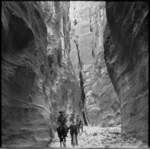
{"x":62,"y":133}
{"x":74,"y":133}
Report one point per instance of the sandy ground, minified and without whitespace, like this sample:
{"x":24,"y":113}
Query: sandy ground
{"x":101,"y":137}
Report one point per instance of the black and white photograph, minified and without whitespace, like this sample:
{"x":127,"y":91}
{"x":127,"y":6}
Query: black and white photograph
{"x":74,"y":74}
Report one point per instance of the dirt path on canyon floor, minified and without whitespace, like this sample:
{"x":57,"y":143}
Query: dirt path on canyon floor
{"x":101,"y":137}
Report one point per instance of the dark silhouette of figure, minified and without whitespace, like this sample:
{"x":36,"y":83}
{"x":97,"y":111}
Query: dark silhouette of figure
{"x":62,"y":130}
{"x":79,"y":123}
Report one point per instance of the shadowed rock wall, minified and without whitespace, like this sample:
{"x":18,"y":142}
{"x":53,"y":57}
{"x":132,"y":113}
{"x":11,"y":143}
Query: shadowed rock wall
{"x":37,"y":77}
{"x":126,"y":56}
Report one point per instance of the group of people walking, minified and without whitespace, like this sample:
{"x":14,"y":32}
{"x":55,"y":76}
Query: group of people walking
{"x":74,"y":123}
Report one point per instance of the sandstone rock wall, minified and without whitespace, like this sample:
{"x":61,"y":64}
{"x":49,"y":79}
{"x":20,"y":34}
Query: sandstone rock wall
{"x":88,"y":20}
{"x":37,"y":77}
{"x":65,"y":85}
{"x":126,"y":55}
{"x":40,"y":65}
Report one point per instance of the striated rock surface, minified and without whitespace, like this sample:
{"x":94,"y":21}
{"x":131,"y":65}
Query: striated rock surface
{"x":126,"y":55}
{"x":50,"y":63}
{"x":88,"y":20}
{"x":25,"y":109}
{"x":65,"y":86}
{"x":37,"y":77}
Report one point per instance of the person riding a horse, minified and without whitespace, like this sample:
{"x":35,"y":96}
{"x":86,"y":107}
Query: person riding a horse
{"x":62,"y":122}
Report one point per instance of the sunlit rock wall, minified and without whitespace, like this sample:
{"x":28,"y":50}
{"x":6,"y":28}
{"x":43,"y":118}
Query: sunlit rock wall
{"x":88,"y":20}
{"x":37,"y":77}
{"x":65,"y":88}
{"x":126,"y":55}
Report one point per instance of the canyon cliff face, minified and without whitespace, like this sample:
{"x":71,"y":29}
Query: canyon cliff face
{"x":65,"y":85}
{"x":37,"y":77}
{"x":126,"y":55}
{"x":88,"y":20}
{"x":53,"y":59}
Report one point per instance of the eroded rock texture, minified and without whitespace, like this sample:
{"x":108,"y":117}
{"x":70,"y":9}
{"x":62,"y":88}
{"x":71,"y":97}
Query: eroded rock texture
{"x":126,"y":55}
{"x":37,"y":79}
{"x":88,"y":20}
{"x":65,"y":87}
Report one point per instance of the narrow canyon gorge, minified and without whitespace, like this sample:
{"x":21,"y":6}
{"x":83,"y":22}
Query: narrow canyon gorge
{"x":83,"y":57}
